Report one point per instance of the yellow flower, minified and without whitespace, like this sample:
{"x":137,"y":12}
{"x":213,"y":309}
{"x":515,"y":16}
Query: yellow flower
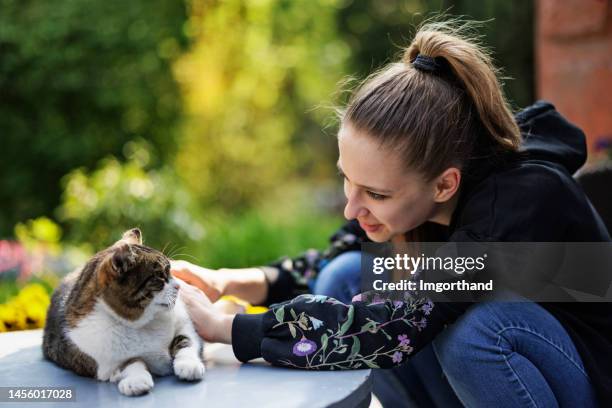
{"x":35,"y":315}
{"x":34,"y":292}
{"x":13,"y":316}
{"x":27,"y":310}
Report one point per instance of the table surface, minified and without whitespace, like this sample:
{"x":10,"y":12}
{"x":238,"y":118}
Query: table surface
{"x":227,"y":383}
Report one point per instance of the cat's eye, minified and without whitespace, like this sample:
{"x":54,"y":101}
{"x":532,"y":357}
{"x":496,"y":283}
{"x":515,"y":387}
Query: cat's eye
{"x":156,"y":283}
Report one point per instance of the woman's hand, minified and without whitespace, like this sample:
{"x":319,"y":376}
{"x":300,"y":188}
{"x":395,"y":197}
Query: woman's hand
{"x":207,"y":280}
{"x":248,"y":284}
{"x":209,"y":323}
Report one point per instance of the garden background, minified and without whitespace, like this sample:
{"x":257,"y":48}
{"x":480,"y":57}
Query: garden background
{"x":208,"y":124}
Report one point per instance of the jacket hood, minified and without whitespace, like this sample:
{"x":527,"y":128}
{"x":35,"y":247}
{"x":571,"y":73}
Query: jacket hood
{"x":550,"y":137}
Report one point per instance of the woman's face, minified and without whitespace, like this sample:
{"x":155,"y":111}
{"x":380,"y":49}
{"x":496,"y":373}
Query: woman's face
{"x":382,"y":195}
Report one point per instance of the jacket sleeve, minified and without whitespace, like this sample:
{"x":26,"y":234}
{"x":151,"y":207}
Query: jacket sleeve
{"x":289,"y":277}
{"x":320,"y":333}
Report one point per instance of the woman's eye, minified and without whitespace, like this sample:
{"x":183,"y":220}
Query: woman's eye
{"x":378,"y":197}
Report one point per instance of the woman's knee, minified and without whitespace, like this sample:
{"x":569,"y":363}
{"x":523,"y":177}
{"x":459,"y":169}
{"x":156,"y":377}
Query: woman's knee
{"x":489,"y":332}
{"x":465,"y":339}
{"x":340,"y":274}
{"x":512,"y":343}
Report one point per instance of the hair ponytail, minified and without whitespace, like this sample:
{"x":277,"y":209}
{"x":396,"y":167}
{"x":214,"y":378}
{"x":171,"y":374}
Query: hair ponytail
{"x":472,"y":66}
{"x":440,"y":104}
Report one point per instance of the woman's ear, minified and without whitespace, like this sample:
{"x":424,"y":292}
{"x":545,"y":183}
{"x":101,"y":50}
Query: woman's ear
{"x":447,"y":184}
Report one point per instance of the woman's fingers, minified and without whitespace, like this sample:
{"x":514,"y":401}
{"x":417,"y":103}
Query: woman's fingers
{"x":199,"y":277}
{"x":209,"y":323}
{"x":200,"y":310}
{"x":191,"y":293}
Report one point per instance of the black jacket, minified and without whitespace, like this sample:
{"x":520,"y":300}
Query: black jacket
{"x":531,"y":198}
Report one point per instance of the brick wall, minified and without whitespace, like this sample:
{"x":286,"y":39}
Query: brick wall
{"x":574,"y":63}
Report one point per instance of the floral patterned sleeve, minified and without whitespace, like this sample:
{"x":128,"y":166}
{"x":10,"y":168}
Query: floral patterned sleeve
{"x":320,"y":333}
{"x":294,"y":274}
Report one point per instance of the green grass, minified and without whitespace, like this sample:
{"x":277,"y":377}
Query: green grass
{"x":257,"y":238}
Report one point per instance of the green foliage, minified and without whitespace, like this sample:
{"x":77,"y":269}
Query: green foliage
{"x":258,"y":237}
{"x":510,"y":34}
{"x":39,"y":230}
{"x":99,"y":206}
{"x":252,"y":82}
{"x":78,"y":80}
{"x":205,"y":123}
{"x":377,"y":30}
{"x":8,"y":289}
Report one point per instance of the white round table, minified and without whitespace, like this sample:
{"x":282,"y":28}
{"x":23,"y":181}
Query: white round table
{"x":228,"y":383}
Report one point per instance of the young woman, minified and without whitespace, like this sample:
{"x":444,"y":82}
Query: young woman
{"x":428,"y":145}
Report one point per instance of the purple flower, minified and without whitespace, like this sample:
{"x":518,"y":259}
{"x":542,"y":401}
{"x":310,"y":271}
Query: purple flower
{"x":427,"y":307}
{"x":397,"y":357}
{"x":404,"y":343}
{"x":304,"y":347}
{"x":377,"y":299}
{"x":398,"y":303}
{"x":403,"y":339}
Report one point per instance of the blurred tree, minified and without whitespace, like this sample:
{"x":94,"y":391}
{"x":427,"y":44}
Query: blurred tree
{"x":78,"y":79}
{"x":229,"y":122}
{"x":252,"y":83}
{"x":100,"y":205}
{"x":377,"y":30}
{"x":511,"y":36}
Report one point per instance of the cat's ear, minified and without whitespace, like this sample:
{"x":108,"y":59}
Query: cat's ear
{"x":132,"y":236}
{"x":118,"y":262}
{"x":123,"y":259}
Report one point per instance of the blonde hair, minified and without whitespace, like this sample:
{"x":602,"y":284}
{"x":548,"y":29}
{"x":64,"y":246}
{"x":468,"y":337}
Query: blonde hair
{"x":437,"y":119}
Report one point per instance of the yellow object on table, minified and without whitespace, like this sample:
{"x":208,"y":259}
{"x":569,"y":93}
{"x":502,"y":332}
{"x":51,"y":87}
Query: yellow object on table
{"x":247,"y":307}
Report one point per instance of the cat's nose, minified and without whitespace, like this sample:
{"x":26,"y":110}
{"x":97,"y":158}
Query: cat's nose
{"x":175,"y":285}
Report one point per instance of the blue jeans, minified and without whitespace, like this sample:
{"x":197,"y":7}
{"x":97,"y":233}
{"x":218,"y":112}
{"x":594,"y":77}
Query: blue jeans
{"x":502,"y":354}
{"x":339,"y":278}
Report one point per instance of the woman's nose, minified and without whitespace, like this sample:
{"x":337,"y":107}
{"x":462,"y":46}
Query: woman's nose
{"x":353,"y":208}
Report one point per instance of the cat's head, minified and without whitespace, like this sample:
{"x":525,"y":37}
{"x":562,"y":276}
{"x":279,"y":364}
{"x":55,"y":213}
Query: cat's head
{"x":134,"y":280}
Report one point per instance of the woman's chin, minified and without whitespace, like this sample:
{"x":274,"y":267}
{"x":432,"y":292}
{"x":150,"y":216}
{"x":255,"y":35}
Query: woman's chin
{"x":379,"y":236}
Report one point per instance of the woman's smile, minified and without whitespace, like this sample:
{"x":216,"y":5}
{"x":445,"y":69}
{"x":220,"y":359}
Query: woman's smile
{"x":370,"y":227}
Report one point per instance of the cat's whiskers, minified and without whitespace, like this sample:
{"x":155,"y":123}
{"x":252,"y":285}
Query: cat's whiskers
{"x":195,"y":259}
{"x":176,"y":250}
{"x":172,"y":248}
{"x":163,"y":251}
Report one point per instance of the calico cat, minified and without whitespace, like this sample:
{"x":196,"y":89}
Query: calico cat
{"x":119,"y":319}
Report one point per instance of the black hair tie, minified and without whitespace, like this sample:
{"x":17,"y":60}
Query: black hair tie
{"x":426,"y":64}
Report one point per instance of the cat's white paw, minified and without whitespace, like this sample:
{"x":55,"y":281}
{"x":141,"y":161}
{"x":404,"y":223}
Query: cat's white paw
{"x":136,"y":384}
{"x":189,"y":368}
{"x":116,"y":375}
